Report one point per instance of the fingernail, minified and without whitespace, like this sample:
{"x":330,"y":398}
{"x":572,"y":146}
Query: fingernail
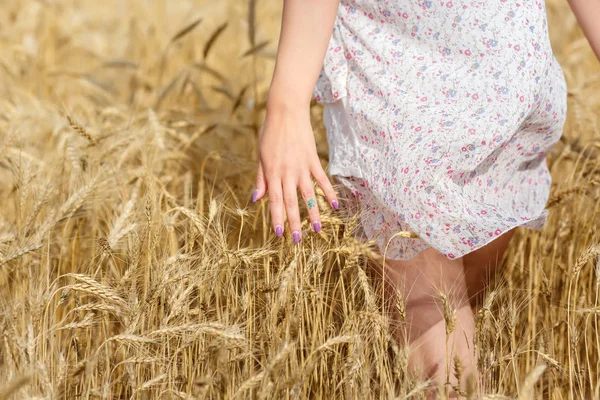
{"x":296,"y":236}
{"x":335,"y":205}
{"x":254,"y":194}
{"x":278,"y":230}
{"x":317,"y":226}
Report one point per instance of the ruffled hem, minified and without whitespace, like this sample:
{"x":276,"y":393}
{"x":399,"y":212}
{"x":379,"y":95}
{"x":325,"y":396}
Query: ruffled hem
{"x":378,"y":220}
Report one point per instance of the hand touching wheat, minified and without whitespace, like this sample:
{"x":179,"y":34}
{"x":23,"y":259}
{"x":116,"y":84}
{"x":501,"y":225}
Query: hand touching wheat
{"x":288,"y":160}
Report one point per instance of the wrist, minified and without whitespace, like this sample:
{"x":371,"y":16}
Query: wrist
{"x":286,"y":100}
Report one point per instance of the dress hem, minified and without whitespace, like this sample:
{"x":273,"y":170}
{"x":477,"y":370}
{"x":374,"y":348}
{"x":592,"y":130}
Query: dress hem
{"x":458,"y":255}
{"x":523,"y":224}
{"x":536,"y":223}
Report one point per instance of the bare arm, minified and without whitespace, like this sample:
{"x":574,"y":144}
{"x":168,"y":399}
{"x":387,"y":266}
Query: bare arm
{"x":288,"y":157}
{"x":587,"y":13}
{"x":305,"y":31}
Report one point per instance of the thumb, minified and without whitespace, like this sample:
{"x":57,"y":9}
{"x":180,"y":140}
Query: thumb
{"x":261,"y":184}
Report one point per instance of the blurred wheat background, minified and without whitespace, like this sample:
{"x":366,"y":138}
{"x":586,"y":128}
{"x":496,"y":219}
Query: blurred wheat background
{"x":133,"y":264}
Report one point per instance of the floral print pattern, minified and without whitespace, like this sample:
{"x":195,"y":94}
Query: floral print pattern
{"x":439,"y":116}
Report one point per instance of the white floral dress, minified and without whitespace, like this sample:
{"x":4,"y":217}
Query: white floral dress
{"x":439,"y":116}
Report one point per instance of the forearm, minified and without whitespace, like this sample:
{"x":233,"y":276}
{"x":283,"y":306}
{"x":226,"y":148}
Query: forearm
{"x":587,"y":13}
{"x":305,"y":32}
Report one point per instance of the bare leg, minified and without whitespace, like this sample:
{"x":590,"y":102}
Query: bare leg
{"x":420,"y":281}
{"x":480,"y":266}
{"x":438,"y":327}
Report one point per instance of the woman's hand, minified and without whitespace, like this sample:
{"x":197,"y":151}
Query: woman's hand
{"x":288,"y":160}
{"x":287,"y":152}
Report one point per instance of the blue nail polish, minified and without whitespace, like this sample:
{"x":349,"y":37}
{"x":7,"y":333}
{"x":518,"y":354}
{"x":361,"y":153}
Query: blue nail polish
{"x":317,"y":226}
{"x":296,"y":236}
{"x":279,"y":230}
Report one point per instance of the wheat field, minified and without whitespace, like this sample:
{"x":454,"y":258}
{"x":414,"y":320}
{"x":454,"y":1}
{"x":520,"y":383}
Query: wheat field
{"x":134,"y":265}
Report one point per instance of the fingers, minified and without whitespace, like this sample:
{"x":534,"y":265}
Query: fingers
{"x":308,"y":194}
{"x":290,"y":200}
{"x":324,"y":184}
{"x":261,"y":184}
{"x":282,"y":194}
{"x":276,"y":205}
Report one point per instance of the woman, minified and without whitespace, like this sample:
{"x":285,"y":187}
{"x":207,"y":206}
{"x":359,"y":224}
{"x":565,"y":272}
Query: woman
{"x":439,"y":116}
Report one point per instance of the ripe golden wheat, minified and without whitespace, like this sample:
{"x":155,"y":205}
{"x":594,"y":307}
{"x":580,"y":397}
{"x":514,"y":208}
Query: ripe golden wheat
{"x":133,"y":264}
